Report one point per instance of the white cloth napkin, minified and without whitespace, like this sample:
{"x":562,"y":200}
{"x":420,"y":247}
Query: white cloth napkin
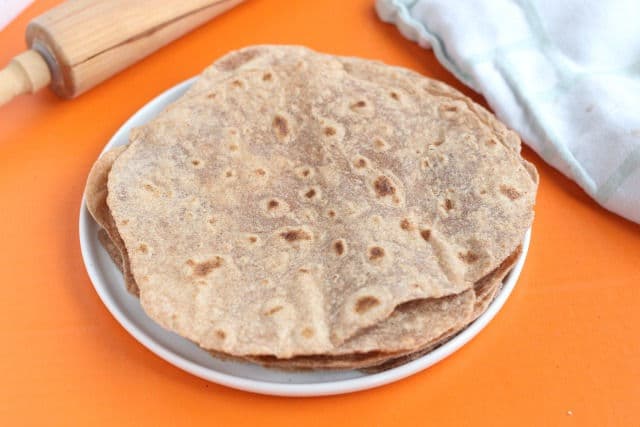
{"x":565,"y":74}
{"x":9,"y":9}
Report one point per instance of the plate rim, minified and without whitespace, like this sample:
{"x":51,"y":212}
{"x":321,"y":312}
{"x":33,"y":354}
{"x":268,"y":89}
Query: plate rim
{"x":265,"y":387}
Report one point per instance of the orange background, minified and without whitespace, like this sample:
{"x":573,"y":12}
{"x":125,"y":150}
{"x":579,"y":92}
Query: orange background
{"x":565,"y":350}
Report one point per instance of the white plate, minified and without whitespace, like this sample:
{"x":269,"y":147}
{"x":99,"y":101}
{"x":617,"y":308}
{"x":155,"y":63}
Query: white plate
{"x":109,"y":284}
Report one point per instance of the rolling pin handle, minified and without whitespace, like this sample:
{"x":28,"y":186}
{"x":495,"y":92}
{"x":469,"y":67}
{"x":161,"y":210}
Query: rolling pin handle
{"x":28,"y":72}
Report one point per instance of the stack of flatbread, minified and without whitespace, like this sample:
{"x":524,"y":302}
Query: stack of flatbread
{"x":302,"y":210}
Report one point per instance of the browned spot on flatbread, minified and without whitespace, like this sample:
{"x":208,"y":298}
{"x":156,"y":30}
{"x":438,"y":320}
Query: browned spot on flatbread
{"x":405,"y":224}
{"x":280,"y":126}
{"x":468,"y":257}
{"x":203,"y":268}
{"x":376,"y":253}
{"x":294,"y":235}
{"x":338,"y":246}
{"x":273,"y":204}
{"x":510,"y":192}
{"x":329,"y":131}
{"x":383,"y":186}
{"x":426,"y":234}
{"x":365,"y":304}
{"x":273,"y":310}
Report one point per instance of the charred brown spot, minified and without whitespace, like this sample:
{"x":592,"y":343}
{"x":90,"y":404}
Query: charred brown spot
{"x":228,"y":174}
{"x":303,"y":270}
{"x":309,"y":194}
{"x":273,"y":310}
{"x":338,"y":247}
{"x":449,"y":108}
{"x":425,"y":234}
{"x":376,"y":253}
{"x":359,"y":104}
{"x":405,"y":224}
{"x":149,"y":188}
{"x":360,"y":163}
{"x":307,"y":332}
{"x":425,"y":164}
{"x":253,"y":239}
{"x":379,"y":144}
{"x":331,"y":214}
{"x":221,"y":334}
{"x":468,"y":257}
{"x":383,"y":186}
{"x":211,"y":220}
{"x":206,"y":267}
{"x":237,"y":83}
{"x":281,"y":126}
{"x":438,"y":142}
{"x":510,"y":192}
{"x":491,"y":142}
{"x":273,"y":204}
{"x":124,"y":222}
{"x":448,"y":204}
{"x":233,"y":147}
{"x":143,"y":248}
{"x":306,"y":172}
{"x":260,"y":172}
{"x":394,"y":95}
{"x":211,"y":95}
{"x":238,"y":59}
{"x":365,"y":304}
{"x":195,"y":162}
{"x":329,"y":131}
{"x":266,"y":77}
{"x":295,"y":235}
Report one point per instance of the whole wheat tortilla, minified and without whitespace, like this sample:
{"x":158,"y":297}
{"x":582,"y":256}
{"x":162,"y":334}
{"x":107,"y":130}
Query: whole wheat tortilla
{"x":340,"y":146}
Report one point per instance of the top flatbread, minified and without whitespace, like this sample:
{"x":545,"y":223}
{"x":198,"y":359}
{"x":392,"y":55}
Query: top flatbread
{"x":350,"y":195}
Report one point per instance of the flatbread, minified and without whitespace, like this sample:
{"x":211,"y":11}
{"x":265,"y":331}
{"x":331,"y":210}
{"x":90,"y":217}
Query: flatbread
{"x":458,"y":247}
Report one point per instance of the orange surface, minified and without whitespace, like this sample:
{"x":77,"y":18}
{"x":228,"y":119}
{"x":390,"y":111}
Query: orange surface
{"x":565,"y":350}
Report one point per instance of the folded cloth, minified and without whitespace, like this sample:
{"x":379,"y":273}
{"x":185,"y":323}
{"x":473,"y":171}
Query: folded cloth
{"x":564,"y":74}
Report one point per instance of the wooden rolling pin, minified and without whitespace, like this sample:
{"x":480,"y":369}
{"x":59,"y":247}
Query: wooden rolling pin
{"x":81,"y":43}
